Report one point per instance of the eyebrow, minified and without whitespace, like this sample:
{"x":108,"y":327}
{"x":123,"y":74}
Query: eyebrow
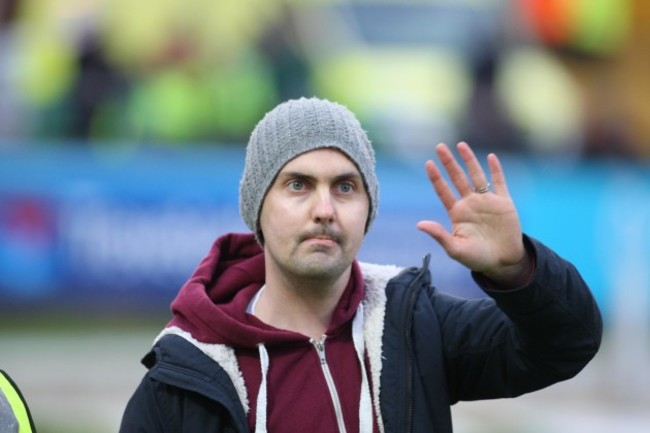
{"x":300,"y":175}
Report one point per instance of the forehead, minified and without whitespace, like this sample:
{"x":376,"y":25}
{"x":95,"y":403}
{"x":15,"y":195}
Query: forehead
{"x":327,"y":160}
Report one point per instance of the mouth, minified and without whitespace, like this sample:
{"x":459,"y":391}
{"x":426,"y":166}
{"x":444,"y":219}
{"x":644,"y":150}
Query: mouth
{"x":322,"y":238}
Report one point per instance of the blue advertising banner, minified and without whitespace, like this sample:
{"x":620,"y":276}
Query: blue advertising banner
{"x":91,"y":226}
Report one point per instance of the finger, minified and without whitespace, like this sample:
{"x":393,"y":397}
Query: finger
{"x":444,"y":192}
{"x":437,"y":232}
{"x":497,"y":175}
{"x":454,"y":170}
{"x":476,"y":173}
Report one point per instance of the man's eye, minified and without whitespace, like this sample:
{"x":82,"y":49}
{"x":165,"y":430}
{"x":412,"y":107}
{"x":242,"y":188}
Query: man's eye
{"x":296,"y":185}
{"x":346,"y":187}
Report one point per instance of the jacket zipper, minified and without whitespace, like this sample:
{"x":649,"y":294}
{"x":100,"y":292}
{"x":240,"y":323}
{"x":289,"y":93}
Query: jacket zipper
{"x":409,"y":369}
{"x":408,"y":322}
{"x":320,"y":349}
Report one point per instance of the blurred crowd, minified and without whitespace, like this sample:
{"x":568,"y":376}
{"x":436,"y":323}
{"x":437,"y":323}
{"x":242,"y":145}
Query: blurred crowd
{"x":560,"y":77}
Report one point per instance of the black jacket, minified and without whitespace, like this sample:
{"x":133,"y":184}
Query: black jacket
{"x":436,"y":349}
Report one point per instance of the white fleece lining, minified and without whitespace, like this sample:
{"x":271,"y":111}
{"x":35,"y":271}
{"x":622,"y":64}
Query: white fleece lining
{"x":375,"y":277}
{"x":222,"y":354}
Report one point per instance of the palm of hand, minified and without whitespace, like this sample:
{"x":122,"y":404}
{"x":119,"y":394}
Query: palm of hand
{"x":485,"y":233}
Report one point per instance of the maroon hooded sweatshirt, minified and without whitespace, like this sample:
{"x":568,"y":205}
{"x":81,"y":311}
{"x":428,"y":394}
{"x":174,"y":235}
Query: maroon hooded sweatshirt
{"x":212,"y":305}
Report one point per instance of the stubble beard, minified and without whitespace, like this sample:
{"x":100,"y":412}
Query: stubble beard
{"x":318,"y":263}
{"x":318,"y":267}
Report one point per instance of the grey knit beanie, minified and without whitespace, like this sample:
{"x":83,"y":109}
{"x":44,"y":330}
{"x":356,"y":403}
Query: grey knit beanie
{"x":295,"y":127}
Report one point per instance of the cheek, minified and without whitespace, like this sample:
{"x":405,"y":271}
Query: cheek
{"x":362,"y":213}
{"x":275,"y":218}
{"x":356,"y":222}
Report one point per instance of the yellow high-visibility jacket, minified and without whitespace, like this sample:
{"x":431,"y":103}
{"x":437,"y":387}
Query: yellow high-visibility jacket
{"x":14,"y":412}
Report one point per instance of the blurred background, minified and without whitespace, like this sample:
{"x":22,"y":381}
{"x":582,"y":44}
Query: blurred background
{"x":122,"y":131}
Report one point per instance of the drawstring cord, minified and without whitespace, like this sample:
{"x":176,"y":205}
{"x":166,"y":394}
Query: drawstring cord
{"x":365,"y":404}
{"x":260,"y":413}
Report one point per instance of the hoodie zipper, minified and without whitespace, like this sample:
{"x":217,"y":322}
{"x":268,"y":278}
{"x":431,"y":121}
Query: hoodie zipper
{"x":320,"y":349}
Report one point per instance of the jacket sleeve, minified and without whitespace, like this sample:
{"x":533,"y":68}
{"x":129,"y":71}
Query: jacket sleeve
{"x":521,"y":340}
{"x":143,"y":412}
{"x":156,"y":407}
{"x":172,"y":399}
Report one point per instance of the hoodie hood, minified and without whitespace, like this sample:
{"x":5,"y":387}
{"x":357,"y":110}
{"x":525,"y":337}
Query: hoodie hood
{"x":211,"y":305}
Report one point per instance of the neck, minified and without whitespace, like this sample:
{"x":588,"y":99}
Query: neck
{"x":304,"y":306}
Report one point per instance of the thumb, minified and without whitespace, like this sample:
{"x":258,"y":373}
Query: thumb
{"x":436,"y":231}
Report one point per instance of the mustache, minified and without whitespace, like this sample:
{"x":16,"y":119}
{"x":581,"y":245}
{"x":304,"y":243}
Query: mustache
{"x":322,"y":233}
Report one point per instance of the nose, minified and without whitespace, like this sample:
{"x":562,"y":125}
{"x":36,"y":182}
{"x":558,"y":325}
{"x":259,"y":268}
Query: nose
{"x":324,"y":210}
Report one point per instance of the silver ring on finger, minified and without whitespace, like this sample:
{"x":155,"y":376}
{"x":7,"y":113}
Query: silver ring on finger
{"x":484,"y":189}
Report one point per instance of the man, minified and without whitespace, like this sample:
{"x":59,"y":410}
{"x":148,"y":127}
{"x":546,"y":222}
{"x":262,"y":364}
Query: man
{"x":283,"y":330}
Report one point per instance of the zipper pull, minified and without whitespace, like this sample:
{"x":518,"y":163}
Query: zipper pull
{"x":320,"y":348}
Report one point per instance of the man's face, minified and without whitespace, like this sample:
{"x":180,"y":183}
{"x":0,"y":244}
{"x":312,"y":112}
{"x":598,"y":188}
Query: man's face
{"x":314,"y":215}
